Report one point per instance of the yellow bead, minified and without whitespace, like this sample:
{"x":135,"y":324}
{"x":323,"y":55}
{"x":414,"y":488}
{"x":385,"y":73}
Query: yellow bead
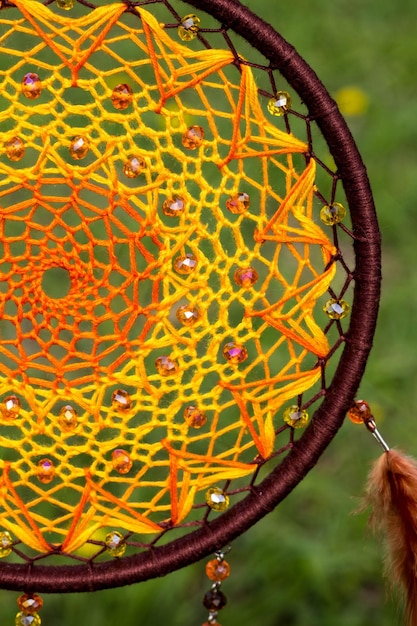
{"x":245,"y":277}
{"x":122,"y":97}
{"x":295,"y":417}
{"x":26,"y":619}
{"x":188,"y":314}
{"x":121,"y":400}
{"x":195,"y":417}
{"x":6,"y":543}
{"x":336,"y":309}
{"x":360,"y":412}
{"x":31,"y":86}
{"x":30,"y":603}
{"x":172,"y":207}
{"x":115,"y":544}
{"x":217,"y":499}
{"x":217,"y":570}
{"x":166,"y":366}
{"x":189,"y":27}
{"x":10,"y":408}
{"x":332,"y":213}
{"x":15,"y":149}
{"x":121,"y":460}
{"x":185,"y":264}
{"x":238,"y":203}
{"x":193,"y":137}
{"x":133,"y":167}
{"x":68,"y":417}
{"x":79,"y":147}
{"x":46,"y":471}
{"x":65,"y":4}
{"x":234,"y":352}
{"x":280,"y":104}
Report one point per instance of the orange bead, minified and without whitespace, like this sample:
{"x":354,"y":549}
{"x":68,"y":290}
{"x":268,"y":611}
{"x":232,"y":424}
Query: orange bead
{"x":193,"y":137}
{"x":122,"y":462}
{"x":30,"y":603}
{"x":15,"y":149}
{"x":360,"y":412}
{"x":31,"y":86}
{"x":217,"y":570}
{"x":122,"y":97}
{"x":46,"y":471}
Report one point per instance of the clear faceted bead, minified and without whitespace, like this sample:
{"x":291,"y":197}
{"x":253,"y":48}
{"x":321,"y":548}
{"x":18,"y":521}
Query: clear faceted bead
{"x":360,"y":412}
{"x":217,"y":570}
{"x":195,"y":417}
{"x":115,"y":544}
{"x":280,"y":104}
{"x":295,"y":417}
{"x":189,"y":27}
{"x":193,"y":137}
{"x":122,"y":97}
{"x":185,"y":264}
{"x":133,"y":167}
{"x":332,"y":213}
{"x":6,"y":543}
{"x":166,"y":366}
{"x":46,"y":471}
{"x":217,"y":499}
{"x":10,"y":407}
{"x":30,"y":603}
{"x":188,"y":315}
{"x":121,"y":400}
{"x":245,"y":277}
{"x":15,"y":149}
{"x":121,"y":460}
{"x":65,"y":4}
{"x":31,"y":86}
{"x":336,"y":309}
{"x":238,"y":203}
{"x":79,"y":147}
{"x":27,"y":619}
{"x":68,"y":417}
{"x":234,"y":352}
{"x":172,"y":207}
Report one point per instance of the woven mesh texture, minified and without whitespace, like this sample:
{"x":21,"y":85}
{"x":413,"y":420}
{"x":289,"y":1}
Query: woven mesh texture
{"x":160,"y":270}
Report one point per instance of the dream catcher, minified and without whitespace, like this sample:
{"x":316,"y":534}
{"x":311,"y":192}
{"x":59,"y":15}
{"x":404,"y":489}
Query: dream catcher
{"x":189,"y":287}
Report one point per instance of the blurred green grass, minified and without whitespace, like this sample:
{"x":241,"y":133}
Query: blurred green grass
{"x":312,"y":561}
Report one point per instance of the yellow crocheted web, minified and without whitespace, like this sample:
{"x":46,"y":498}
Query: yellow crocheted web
{"x":159,"y":267}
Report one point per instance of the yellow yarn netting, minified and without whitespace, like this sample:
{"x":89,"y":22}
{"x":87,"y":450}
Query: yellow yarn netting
{"x":123,"y":232}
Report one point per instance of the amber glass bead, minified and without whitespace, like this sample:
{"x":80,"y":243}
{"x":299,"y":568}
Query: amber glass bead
{"x":133,"y":167}
{"x":121,"y":400}
{"x":6,"y":543}
{"x":214,"y":600}
{"x":68,"y":417}
{"x":214,"y":622}
{"x":46,"y":471}
{"x":188,"y":315}
{"x":245,"y":277}
{"x":332,"y":213}
{"x":27,"y":619}
{"x":172,"y":207}
{"x":122,"y":97}
{"x":166,"y":366}
{"x":217,"y":570}
{"x":79,"y":147}
{"x":31,"y":86}
{"x":10,"y":407}
{"x":15,"y":149}
{"x":195,"y":417}
{"x":336,"y":309}
{"x":65,"y":4}
{"x":217,"y":499}
{"x":30,"y":603}
{"x":238,"y":203}
{"x":189,"y":27}
{"x":115,"y":544}
{"x":360,"y":412}
{"x":185,"y":264}
{"x":121,"y":461}
{"x":280,"y":104}
{"x":193,"y":137}
{"x":295,"y":417}
{"x":235,"y":352}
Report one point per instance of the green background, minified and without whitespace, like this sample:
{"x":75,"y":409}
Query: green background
{"x":313,"y":562}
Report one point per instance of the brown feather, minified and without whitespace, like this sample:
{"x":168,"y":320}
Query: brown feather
{"x":392,"y":493}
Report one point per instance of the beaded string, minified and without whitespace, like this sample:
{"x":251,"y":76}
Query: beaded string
{"x":214,"y":600}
